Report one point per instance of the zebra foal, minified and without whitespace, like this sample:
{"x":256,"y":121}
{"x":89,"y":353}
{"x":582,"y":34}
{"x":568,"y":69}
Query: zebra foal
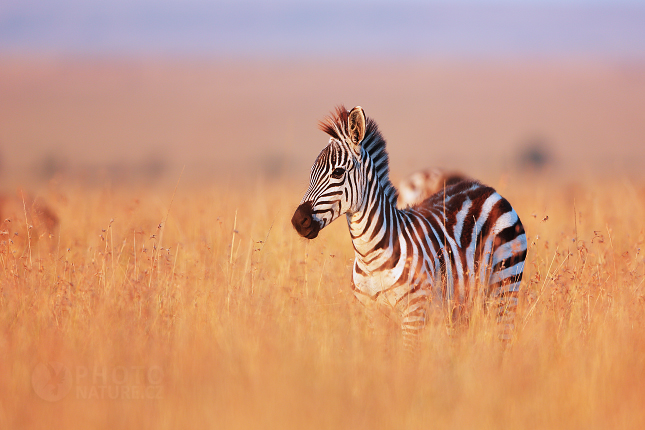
{"x":464,"y":243}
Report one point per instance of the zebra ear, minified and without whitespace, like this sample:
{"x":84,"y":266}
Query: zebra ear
{"x":356,"y":125}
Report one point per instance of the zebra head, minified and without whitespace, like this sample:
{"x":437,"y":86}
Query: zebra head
{"x":337,"y":179}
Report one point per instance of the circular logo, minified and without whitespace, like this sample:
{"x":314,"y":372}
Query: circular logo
{"x":51,"y":381}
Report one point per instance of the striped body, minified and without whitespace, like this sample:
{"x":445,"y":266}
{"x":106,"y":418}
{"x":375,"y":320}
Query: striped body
{"x":465,"y":242}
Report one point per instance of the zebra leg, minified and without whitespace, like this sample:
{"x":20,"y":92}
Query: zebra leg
{"x":505,"y":296}
{"x":370,"y":306}
{"x":414,"y":317}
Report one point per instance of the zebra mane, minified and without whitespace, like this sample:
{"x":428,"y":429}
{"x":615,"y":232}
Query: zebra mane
{"x":335,"y":125}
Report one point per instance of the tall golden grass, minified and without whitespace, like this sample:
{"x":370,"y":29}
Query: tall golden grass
{"x":200,"y":307}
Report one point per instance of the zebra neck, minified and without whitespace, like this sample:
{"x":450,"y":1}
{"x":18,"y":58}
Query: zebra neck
{"x":374,"y":227}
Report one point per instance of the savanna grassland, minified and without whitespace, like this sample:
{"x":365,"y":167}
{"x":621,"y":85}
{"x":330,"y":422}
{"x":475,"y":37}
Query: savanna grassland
{"x":190,"y":302}
{"x":247,"y":325}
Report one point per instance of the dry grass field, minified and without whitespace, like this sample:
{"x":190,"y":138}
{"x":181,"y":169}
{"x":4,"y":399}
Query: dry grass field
{"x":189,"y":303}
{"x":244,"y":324}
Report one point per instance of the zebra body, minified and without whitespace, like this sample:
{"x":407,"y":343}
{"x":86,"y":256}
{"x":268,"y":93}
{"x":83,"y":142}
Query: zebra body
{"x":464,"y":242}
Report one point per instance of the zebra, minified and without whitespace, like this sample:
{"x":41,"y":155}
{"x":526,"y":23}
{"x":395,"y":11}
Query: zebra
{"x":462,"y":245}
{"x":422,"y":184}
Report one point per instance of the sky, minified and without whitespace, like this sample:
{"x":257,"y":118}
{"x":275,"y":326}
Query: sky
{"x":315,"y":28}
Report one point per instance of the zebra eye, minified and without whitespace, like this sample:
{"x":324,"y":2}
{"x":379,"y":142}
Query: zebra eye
{"x":338,"y":173}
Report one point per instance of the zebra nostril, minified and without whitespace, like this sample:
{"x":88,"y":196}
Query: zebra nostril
{"x":303,"y":221}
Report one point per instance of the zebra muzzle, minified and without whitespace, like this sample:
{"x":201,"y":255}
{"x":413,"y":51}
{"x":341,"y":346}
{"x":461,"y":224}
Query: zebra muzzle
{"x":303,"y":221}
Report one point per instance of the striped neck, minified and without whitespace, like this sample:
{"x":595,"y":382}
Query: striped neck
{"x":369,"y":225}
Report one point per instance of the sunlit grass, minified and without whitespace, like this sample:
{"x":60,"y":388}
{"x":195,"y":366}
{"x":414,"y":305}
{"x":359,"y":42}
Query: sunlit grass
{"x":255,"y":327}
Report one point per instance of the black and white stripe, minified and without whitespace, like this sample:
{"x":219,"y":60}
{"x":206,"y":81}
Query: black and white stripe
{"x":463,"y":244}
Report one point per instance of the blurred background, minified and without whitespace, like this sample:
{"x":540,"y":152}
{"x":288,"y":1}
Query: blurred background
{"x":134,"y":90}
